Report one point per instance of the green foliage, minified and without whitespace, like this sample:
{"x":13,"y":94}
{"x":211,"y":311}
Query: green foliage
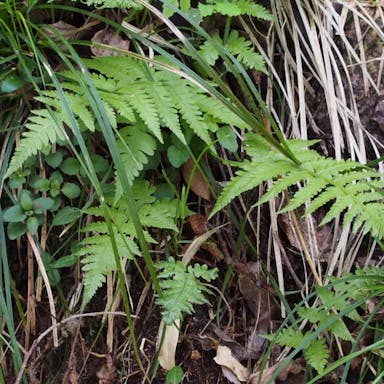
{"x":337,"y":300}
{"x":181,"y":287}
{"x":96,"y":250}
{"x":144,"y":98}
{"x":238,"y":46}
{"x":175,"y":375}
{"x":27,"y":214}
{"x":234,"y":8}
{"x":347,"y":186}
{"x":112,"y":3}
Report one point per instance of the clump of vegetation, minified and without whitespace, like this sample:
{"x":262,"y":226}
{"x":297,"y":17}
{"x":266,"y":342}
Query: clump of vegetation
{"x":121,"y":119}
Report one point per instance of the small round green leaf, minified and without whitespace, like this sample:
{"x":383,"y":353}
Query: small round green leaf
{"x":71,"y":190}
{"x":99,"y":163}
{"x":41,"y":184}
{"x":16,"y":230}
{"x":42,"y":204}
{"x":227,"y":138}
{"x":32,"y":225}
{"x":54,"y":159}
{"x":14,"y":214}
{"x":175,"y":375}
{"x":66,"y":215}
{"x":26,"y":200}
{"x":65,"y":261}
{"x":70,"y":166}
{"x":16,"y":181}
{"x":177,"y":156}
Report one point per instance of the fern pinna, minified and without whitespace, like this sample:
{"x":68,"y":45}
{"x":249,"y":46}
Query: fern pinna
{"x":347,"y":186}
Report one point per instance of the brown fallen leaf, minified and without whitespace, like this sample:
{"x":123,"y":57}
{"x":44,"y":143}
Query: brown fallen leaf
{"x":68,"y":31}
{"x":108,"y":37}
{"x":198,"y":184}
{"x":198,"y":223}
{"x":292,"y":368}
{"x":225,"y":358}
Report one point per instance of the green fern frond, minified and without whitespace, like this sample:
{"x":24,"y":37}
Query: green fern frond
{"x":96,"y":250}
{"x":42,"y":130}
{"x":98,"y":260}
{"x":290,"y":337}
{"x":181,"y":287}
{"x":348,"y":186}
{"x":317,"y":354}
{"x":243,"y":50}
{"x":238,"y":46}
{"x":112,"y":3}
{"x":132,"y":93}
{"x":135,"y":146}
{"x":234,"y":8}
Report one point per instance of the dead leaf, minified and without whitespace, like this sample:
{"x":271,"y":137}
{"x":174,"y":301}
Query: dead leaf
{"x":198,"y":223}
{"x":111,"y":38}
{"x":225,"y":358}
{"x":257,"y":294}
{"x":212,"y":248}
{"x":229,"y":375}
{"x":198,"y":185}
{"x":68,"y":31}
{"x":169,"y":344}
{"x":292,"y":368}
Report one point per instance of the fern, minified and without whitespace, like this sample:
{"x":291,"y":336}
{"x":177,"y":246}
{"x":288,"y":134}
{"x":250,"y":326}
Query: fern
{"x":238,"y":46}
{"x":338,"y":298}
{"x":182,"y":288}
{"x":147,"y":100}
{"x":112,"y":3}
{"x":317,"y":355}
{"x":234,"y":8}
{"x":347,"y":186}
{"x":96,"y":251}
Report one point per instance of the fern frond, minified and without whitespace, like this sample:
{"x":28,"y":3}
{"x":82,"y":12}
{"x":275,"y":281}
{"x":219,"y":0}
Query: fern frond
{"x":347,"y":186}
{"x":135,"y":146}
{"x":181,"y":287}
{"x":243,"y":50}
{"x":234,"y":8}
{"x":98,"y":260}
{"x":290,"y":337}
{"x":113,"y":3}
{"x":238,"y":46}
{"x":317,"y":354}
{"x":43,"y":130}
{"x":96,"y":250}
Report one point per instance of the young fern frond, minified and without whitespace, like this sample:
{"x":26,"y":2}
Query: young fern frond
{"x":96,"y":250}
{"x":238,"y":46}
{"x":317,"y":354}
{"x":234,"y":8}
{"x":346,"y":185}
{"x":182,"y":288}
{"x":337,"y":300}
{"x":112,"y":3}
